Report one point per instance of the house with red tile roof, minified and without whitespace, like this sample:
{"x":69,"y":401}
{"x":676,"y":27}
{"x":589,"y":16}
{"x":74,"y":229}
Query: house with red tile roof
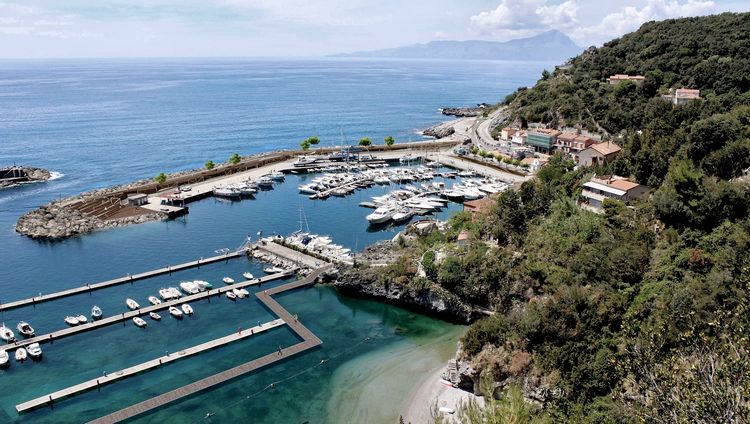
{"x":598,"y":153}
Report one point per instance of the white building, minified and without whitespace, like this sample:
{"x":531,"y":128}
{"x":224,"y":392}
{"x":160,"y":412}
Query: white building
{"x":617,"y":188}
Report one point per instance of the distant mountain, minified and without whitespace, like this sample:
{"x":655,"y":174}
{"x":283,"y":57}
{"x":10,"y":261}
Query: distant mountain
{"x":550,"y":45}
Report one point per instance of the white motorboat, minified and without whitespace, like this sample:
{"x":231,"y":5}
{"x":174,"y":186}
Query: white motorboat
{"x":187,"y":309}
{"x":7,"y":334}
{"x":244,"y":292}
{"x":21,"y":354}
{"x":154,"y":300}
{"x":272,"y":270}
{"x":25,"y":329}
{"x":228,"y":280}
{"x":189,"y":287}
{"x":175,"y":312}
{"x":82,"y":319}
{"x":308,"y":188}
{"x":403,"y":215}
{"x":72,"y":321}
{"x":265,"y":182}
{"x":169,"y":293}
{"x":4,"y":358}
{"x":248,"y":275}
{"x":381,"y":214}
{"x":139,"y":322}
{"x":238,"y":293}
{"x":96,"y":312}
{"x":203,"y":285}
{"x":132,"y":304}
{"x":276,"y":175}
{"x":231,"y":296}
{"x":34,"y":350}
{"x":154,"y":316}
{"x":228,"y":192}
{"x":305,"y":161}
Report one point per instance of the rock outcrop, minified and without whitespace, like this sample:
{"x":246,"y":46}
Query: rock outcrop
{"x":10,"y":177}
{"x":439,"y":131}
{"x":366,"y":281}
{"x":462,"y":112}
{"x":56,"y":222}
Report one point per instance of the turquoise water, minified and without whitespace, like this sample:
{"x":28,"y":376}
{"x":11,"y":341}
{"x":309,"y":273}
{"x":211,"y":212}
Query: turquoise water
{"x":102,"y":123}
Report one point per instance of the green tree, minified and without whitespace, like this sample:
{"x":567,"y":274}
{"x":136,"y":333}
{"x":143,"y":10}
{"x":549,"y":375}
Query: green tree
{"x":305,"y":144}
{"x":161,"y":178}
{"x":314,"y":140}
{"x":389,"y":141}
{"x":235,"y":159}
{"x":365,"y":141}
{"x":210,"y":165}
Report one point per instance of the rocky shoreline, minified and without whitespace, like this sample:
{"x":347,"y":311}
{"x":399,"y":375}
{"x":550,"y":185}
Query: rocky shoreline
{"x":464,"y":112}
{"x":13,"y":176}
{"x":57,"y":222}
{"x":439,"y":131}
{"x":365,"y":281}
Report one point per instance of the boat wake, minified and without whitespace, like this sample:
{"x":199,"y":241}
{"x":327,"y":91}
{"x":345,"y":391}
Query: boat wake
{"x":55,"y":175}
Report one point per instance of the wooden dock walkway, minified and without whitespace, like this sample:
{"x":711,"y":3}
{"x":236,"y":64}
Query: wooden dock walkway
{"x":142,"y":311}
{"x":122,"y":280}
{"x":145,"y":366}
{"x":309,"y":340}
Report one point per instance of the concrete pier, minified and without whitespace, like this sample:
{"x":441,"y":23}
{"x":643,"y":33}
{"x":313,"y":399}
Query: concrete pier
{"x":309,"y":341}
{"x":145,"y":366}
{"x":122,"y":280}
{"x":141,"y":312}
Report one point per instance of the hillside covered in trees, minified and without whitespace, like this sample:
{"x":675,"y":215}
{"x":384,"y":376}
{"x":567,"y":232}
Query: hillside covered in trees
{"x":639,"y":314}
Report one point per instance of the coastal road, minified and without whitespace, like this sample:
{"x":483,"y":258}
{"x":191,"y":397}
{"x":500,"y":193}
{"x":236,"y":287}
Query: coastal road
{"x":482,"y":136}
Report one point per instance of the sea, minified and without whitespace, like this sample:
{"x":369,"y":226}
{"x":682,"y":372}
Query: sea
{"x":96,"y":123}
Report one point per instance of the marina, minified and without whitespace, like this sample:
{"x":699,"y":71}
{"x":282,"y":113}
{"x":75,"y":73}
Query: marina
{"x":145,"y":366}
{"x":309,"y":341}
{"x":121,"y":280}
{"x":50,"y":337}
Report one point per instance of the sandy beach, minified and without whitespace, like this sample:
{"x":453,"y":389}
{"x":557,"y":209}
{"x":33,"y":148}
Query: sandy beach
{"x":418,"y":407}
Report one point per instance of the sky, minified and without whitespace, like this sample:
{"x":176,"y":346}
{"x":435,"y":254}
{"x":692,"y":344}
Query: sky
{"x":300,"y":28}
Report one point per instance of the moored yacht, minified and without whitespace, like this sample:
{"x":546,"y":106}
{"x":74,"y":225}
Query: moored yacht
{"x":272,"y":270}
{"x":154,"y":316}
{"x":203,"y":285}
{"x":175,"y":312}
{"x":276,"y":175}
{"x":96,"y":312}
{"x":34,"y":350}
{"x":72,"y":321}
{"x":381,"y":214}
{"x":21,"y":354}
{"x":132,"y":304}
{"x":4,"y":358}
{"x":25,"y":329}
{"x":248,"y":275}
{"x":189,"y":287}
{"x":228,"y":280}
{"x":187,"y":309}
{"x":154,"y":300}
{"x":7,"y":334}
{"x":231,"y":296}
{"x":82,"y":319}
{"x":228,"y":192}
{"x":303,"y":161}
{"x":139,"y":322}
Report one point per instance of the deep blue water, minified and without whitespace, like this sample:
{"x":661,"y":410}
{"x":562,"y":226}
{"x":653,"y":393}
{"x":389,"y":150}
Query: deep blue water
{"x":107,"y":122}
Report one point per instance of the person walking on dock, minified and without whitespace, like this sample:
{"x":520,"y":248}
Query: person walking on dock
{"x":279,"y":350}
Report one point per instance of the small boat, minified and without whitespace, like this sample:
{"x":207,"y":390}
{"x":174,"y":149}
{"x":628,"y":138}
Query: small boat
{"x":82,"y":319}
{"x":6,"y":334}
{"x":403,"y":215}
{"x":227,"y":192}
{"x":96,"y":312}
{"x":154,"y":300}
{"x":203,"y":285}
{"x":381,"y":214}
{"x":276,"y":175}
{"x":34,"y":350}
{"x":248,"y":275}
{"x":132,"y":304}
{"x":25,"y":329}
{"x":265,"y":182}
{"x":154,"y":316}
{"x":244,"y":292}
{"x":72,"y":321}
{"x":238,"y":293}
{"x":21,"y":354}
{"x":231,"y":296}
{"x":272,"y":270}
{"x":169,"y":293}
{"x":189,"y":287}
{"x":187,"y":309}
{"x":139,"y":322}
{"x":228,"y":280}
{"x":175,"y":312}
{"x":4,"y":358}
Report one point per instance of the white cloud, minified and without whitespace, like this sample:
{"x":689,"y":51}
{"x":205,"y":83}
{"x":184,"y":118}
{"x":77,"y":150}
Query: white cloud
{"x":559,"y":16}
{"x":630,"y":18}
{"x":520,"y":18}
{"x":18,"y":19}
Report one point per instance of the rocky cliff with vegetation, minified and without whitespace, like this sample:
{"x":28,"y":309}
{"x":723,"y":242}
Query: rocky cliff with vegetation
{"x":639,"y":314}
